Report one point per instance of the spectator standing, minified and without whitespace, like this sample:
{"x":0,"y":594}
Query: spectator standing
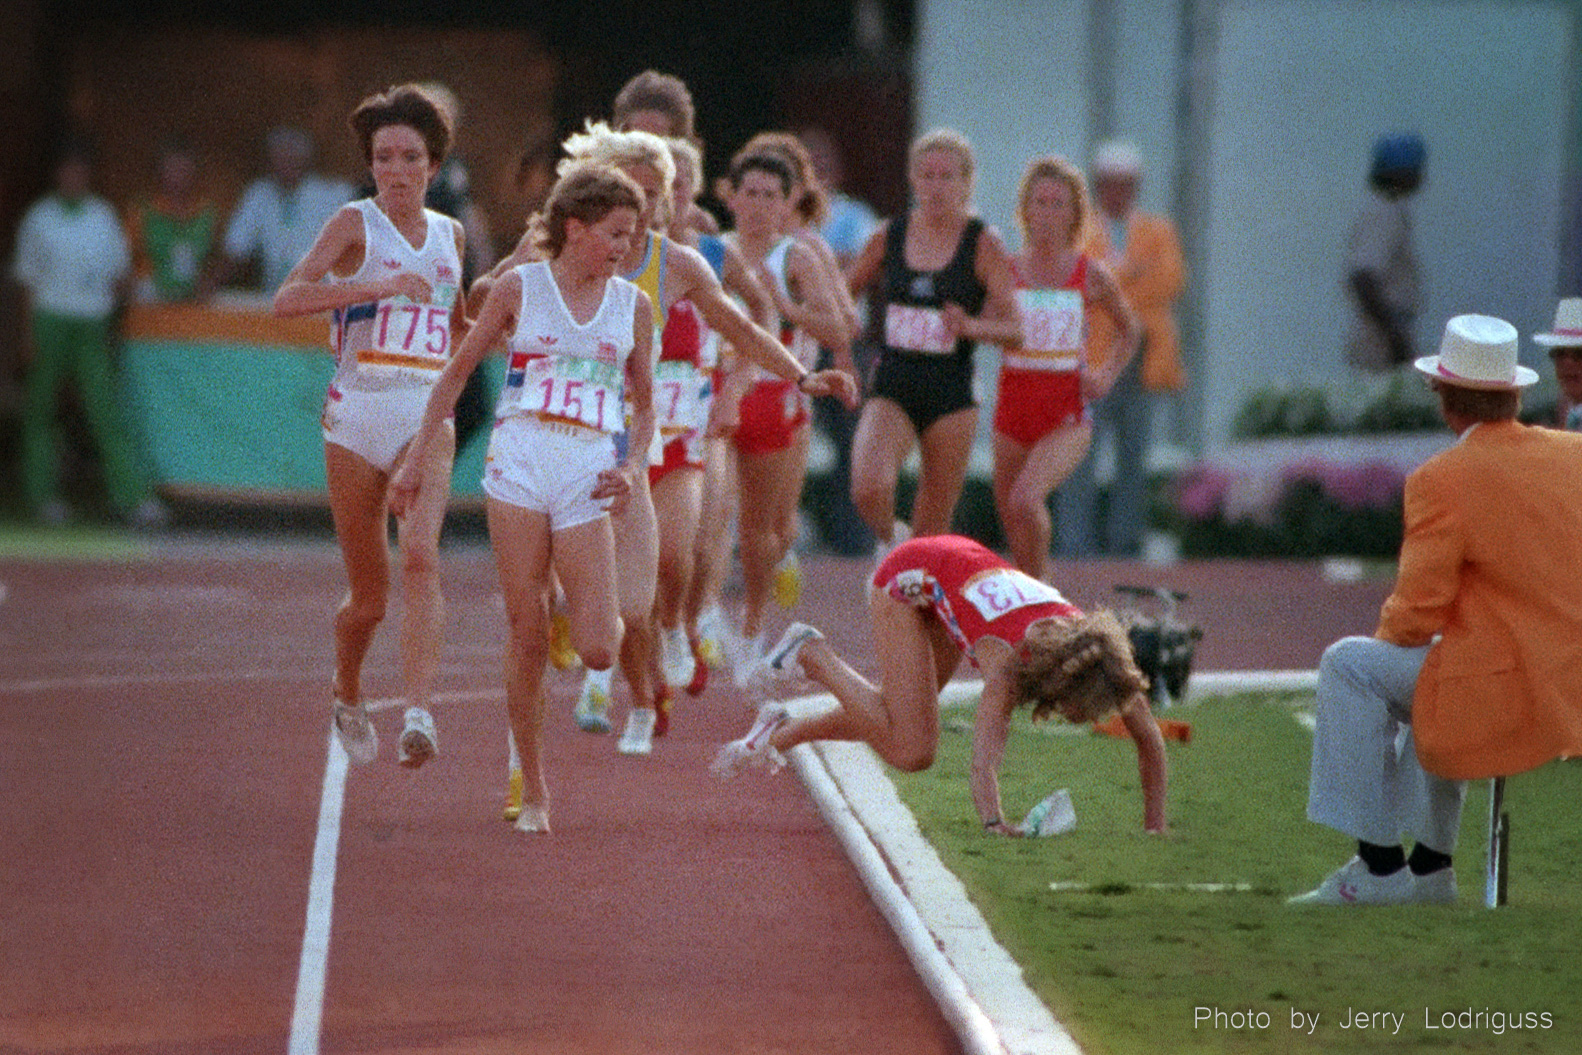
{"x":1382,"y":273}
{"x":279,"y":215}
{"x":1143,"y":253}
{"x":851,"y":220}
{"x":1477,"y":657}
{"x":1564,"y":342}
{"x":74,"y":266}
{"x":172,"y":232}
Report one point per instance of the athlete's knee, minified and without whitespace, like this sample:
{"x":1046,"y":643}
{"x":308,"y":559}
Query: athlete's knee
{"x":420,"y":560}
{"x":911,"y":758}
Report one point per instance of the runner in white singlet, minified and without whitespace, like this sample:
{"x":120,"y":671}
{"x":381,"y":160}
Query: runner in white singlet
{"x":390,"y":271}
{"x":576,"y":335}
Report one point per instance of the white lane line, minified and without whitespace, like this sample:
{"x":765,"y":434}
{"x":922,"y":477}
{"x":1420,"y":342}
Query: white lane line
{"x":308,"y":1013}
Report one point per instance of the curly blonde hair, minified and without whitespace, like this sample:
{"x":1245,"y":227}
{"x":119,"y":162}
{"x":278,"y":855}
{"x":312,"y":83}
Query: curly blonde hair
{"x":1080,"y":669}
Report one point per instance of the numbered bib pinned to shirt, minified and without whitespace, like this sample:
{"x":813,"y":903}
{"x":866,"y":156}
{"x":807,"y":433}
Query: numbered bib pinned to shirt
{"x":678,"y":396}
{"x":407,"y":343}
{"x":1053,"y":330}
{"x":909,"y":328}
{"x":1000,"y":591}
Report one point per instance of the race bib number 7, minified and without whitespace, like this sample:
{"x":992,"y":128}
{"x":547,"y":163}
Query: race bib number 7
{"x":678,"y":393}
{"x":1000,"y":591}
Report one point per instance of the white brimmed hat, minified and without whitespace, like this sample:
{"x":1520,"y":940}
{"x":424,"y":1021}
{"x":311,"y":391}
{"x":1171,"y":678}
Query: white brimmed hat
{"x":1116,"y":157}
{"x":1478,"y":351}
{"x":1568,"y":326}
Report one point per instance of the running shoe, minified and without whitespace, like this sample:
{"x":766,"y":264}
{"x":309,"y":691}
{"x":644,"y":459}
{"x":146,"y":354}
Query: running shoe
{"x":638,"y":739}
{"x":593,"y":703}
{"x":356,"y":733}
{"x":534,"y":820}
{"x":561,"y":653}
{"x":755,"y":749}
{"x":419,"y":742}
{"x":787,"y":586}
{"x":779,"y":664}
{"x":746,"y":654}
{"x":675,"y":656}
{"x":513,"y":796}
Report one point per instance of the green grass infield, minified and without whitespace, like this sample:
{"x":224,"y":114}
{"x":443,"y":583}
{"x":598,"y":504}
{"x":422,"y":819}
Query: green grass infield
{"x":1184,"y":943}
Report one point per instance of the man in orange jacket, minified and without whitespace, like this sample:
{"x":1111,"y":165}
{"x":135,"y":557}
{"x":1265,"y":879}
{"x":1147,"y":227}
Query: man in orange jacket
{"x":1478,"y":652}
{"x":1143,"y":253}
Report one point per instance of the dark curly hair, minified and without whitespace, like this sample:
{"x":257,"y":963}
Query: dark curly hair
{"x":1080,"y":669}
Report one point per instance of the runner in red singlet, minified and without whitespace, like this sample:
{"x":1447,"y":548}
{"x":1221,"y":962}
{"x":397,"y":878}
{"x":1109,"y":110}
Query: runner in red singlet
{"x":933,"y":599}
{"x":1041,"y":424}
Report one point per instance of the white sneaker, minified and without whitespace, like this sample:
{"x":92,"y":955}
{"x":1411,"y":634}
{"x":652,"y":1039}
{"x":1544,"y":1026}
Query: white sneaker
{"x":1435,"y":888}
{"x":638,"y":739}
{"x":754,"y":749}
{"x":593,"y":702}
{"x":419,"y":742}
{"x":779,"y":664}
{"x":533,"y":819}
{"x":356,"y":733}
{"x":746,"y":654}
{"x":675,"y":656}
{"x":1353,"y":884}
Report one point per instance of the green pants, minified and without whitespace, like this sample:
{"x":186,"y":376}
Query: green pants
{"x":75,"y":350}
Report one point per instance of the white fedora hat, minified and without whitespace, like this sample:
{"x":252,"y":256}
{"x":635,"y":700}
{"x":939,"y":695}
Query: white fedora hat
{"x":1568,"y":325}
{"x":1477,"y":351}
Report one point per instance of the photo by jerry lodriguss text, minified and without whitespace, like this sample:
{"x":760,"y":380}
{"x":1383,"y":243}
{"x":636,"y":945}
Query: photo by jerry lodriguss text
{"x":1467,"y":1019}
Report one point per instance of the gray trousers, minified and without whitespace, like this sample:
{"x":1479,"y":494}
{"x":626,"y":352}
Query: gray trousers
{"x":1366,"y":781}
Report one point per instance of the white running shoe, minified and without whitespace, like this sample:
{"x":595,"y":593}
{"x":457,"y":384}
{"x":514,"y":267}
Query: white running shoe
{"x":356,"y":733}
{"x":419,"y":742}
{"x":779,"y":664}
{"x":533,"y":819}
{"x":675,"y":656}
{"x":593,"y":702}
{"x":638,"y":739}
{"x":746,"y":654}
{"x":755,"y":749}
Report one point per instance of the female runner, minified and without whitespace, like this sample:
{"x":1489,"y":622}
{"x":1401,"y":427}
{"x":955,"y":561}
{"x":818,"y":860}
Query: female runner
{"x":943,"y":282}
{"x":772,"y":433}
{"x":577,"y":336}
{"x":1041,"y":424}
{"x":931,"y":600}
{"x":394,"y":272}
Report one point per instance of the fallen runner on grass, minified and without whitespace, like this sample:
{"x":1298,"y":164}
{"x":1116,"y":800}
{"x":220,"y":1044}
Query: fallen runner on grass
{"x":931,"y":600}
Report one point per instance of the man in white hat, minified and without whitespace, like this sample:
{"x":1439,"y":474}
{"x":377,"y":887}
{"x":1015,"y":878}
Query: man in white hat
{"x":1143,"y":252}
{"x":1565,"y":351}
{"x":1478,"y":652}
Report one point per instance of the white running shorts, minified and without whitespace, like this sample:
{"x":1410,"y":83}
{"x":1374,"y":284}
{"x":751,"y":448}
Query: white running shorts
{"x":549,"y":468}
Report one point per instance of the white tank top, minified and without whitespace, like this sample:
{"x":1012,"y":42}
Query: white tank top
{"x":560,"y":370}
{"x":395,"y":342}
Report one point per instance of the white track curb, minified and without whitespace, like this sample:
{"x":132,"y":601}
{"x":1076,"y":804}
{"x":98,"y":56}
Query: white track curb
{"x":979,"y":988}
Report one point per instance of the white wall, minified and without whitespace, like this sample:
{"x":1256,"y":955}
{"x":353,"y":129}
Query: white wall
{"x":1303,"y":87}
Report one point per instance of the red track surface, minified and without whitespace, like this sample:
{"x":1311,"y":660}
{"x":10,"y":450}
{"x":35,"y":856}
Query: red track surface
{"x":163,"y":743}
